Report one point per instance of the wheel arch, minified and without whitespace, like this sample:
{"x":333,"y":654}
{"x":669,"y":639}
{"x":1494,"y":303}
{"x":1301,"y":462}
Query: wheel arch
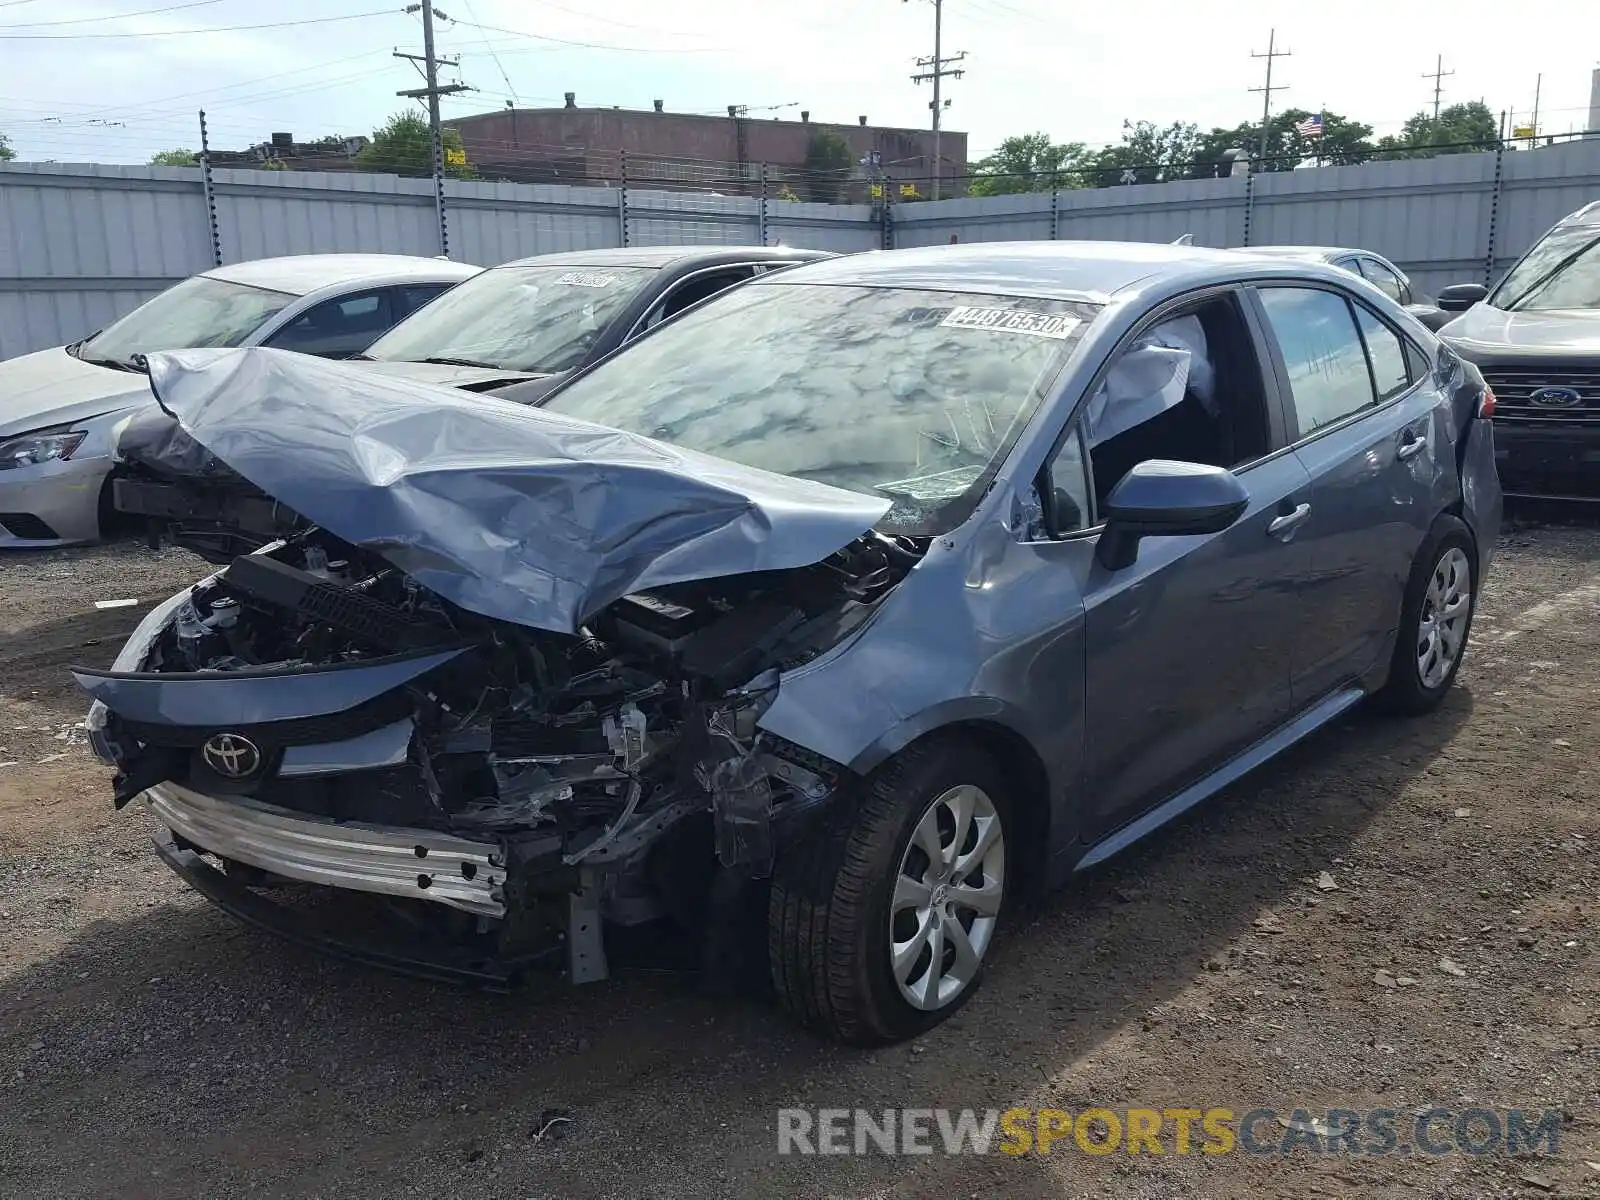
{"x":994,"y":727}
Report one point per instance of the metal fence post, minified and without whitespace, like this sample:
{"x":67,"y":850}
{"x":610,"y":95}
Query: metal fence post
{"x":622,"y":198}
{"x":886,"y":217}
{"x":1055,"y":213}
{"x":1494,"y":215}
{"x":1249,"y":203}
{"x":210,"y":193}
{"x":761,"y":212}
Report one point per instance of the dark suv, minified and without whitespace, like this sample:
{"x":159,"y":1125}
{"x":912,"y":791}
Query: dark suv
{"x":1536,"y":338}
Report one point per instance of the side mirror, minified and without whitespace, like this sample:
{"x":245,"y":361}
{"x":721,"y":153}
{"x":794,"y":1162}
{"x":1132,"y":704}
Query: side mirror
{"x":1163,"y":497}
{"x":1459,"y":297}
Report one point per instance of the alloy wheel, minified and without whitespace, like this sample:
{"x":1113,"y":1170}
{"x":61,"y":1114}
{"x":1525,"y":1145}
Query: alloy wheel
{"x":1442,"y":624}
{"x":947,"y":896}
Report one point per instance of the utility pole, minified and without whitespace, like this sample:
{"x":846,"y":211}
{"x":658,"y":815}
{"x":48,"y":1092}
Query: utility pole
{"x":937,"y":66}
{"x":430,"y":72}
{"x":1437,"y":75}
{"x":1267,"y":90}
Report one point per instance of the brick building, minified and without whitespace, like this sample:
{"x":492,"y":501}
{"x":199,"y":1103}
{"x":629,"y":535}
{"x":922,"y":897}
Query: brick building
{"x":695,"y":151}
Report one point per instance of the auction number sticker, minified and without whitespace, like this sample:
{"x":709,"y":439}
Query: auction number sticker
{"x":1011,"y":320}
{"x":586,"y":279}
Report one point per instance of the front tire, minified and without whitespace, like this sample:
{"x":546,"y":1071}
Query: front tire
{"x":1435,"y":621}
{"x":879,"y":922}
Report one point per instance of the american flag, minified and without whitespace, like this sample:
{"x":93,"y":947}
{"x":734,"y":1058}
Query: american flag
{"x":1311,"y":127}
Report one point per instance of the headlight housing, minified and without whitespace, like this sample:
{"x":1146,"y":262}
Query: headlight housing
{"x":44,"y":445}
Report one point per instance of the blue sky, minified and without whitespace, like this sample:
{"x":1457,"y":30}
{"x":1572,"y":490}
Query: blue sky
{"x":76,"y":88}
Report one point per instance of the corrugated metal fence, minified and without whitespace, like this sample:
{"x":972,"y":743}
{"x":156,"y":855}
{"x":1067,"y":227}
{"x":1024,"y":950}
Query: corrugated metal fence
{"x":1452,"y":219}
{"x":80,"y":245}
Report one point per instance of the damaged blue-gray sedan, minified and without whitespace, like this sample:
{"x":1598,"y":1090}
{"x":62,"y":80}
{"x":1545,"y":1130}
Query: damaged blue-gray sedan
{"x":834,"y":616}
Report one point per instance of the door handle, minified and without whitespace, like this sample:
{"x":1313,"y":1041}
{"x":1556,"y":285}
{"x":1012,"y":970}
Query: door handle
{"x":1411,"y":444}
{"x":1286,"y":524}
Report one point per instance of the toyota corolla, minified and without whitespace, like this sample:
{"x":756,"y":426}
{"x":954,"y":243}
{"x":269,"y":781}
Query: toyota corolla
{"x":854,"y":607}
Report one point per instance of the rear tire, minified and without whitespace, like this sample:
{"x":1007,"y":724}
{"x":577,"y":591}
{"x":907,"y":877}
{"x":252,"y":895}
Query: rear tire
{"x":879,"y":922}
{"x":1435,"y":621}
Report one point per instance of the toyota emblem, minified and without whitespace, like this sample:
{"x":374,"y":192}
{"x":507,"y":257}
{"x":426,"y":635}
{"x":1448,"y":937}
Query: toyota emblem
{"x":1556,"y":397}
{"x":231,"y":755}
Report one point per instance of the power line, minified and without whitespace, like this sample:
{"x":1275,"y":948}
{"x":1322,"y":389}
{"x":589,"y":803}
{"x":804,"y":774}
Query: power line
{"x":502,"y":67}
{"x":148,"y":12}
{"x":573,"y":12}
{"x":151,"y":105}
{"x":74,"y":37}
{"x":540,"y":37}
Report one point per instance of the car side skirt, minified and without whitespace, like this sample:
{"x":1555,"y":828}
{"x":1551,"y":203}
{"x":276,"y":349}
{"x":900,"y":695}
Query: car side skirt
{"x":1269,"y":747}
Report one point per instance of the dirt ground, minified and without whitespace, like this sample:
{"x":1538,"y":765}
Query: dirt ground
{"x":151,"y":1046}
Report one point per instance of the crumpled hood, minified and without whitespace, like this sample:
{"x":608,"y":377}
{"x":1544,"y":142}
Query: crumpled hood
{"x":50,"y":387}
{"x":445,"y":375}
{"x":511,"y":512}
{"x":1491,"y":331}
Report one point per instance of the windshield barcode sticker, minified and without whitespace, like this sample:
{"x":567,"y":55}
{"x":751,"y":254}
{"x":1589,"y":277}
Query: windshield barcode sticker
{"x":586,"y":279}
{"x":1011,"y":320}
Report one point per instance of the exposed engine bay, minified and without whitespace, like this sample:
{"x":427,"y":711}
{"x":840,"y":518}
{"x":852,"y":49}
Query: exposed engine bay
{"x":622,"y":762}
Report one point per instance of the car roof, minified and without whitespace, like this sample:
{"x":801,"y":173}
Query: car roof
{"x":665,"y":256}
{"x":1059,"y":270}
{"x":300,"y":274}
{"x":1319,"y":253}
{"x":1589,"y":214}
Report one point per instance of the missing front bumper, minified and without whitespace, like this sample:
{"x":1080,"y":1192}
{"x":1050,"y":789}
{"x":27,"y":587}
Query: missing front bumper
{"x":414,"y":864}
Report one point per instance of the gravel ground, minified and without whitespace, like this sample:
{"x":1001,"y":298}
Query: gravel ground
{"x":151,"y":1046}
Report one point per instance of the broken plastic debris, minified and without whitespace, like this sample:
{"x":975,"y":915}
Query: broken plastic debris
{"x":129,"y":603}
{"x":1451,"y":967}
{"x":1325,"y":882}
{"x":553,"y":1124}
{"x":1463,"y":812}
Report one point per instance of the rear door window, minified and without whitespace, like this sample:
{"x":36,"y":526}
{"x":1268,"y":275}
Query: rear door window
{"x":1323,"y":354}
{"x":1390,"y":373}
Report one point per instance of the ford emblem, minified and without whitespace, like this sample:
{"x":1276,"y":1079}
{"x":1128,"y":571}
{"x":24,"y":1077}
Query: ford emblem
{"x":1556,"y":397}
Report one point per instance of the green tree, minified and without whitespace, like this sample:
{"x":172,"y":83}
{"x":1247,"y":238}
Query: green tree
{"x":1148,"y":153}
{"x":404,"y":146}
{"x":173,"y":158}
{"x":1030,"y":162}
{"x":6,"y":152}
{"x":1343,"y":143}
{"x":828,"y":165}
{"x":1460,"y":129}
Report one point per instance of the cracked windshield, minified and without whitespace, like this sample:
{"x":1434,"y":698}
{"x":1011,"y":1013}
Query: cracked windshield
{"x":908,"y":395}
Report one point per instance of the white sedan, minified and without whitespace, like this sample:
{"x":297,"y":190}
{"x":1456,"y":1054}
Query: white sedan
{"x":61,"y":410}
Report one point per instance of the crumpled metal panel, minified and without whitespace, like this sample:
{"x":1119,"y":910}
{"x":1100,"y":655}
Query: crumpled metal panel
{"x":510,"y":512}
{"x":365,"y":858}
{"x":220,"y":699}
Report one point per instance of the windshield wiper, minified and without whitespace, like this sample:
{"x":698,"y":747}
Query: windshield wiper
{"x":134,"y":362}
{"x":1560,"y":266}
{"x":462,"y":362}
